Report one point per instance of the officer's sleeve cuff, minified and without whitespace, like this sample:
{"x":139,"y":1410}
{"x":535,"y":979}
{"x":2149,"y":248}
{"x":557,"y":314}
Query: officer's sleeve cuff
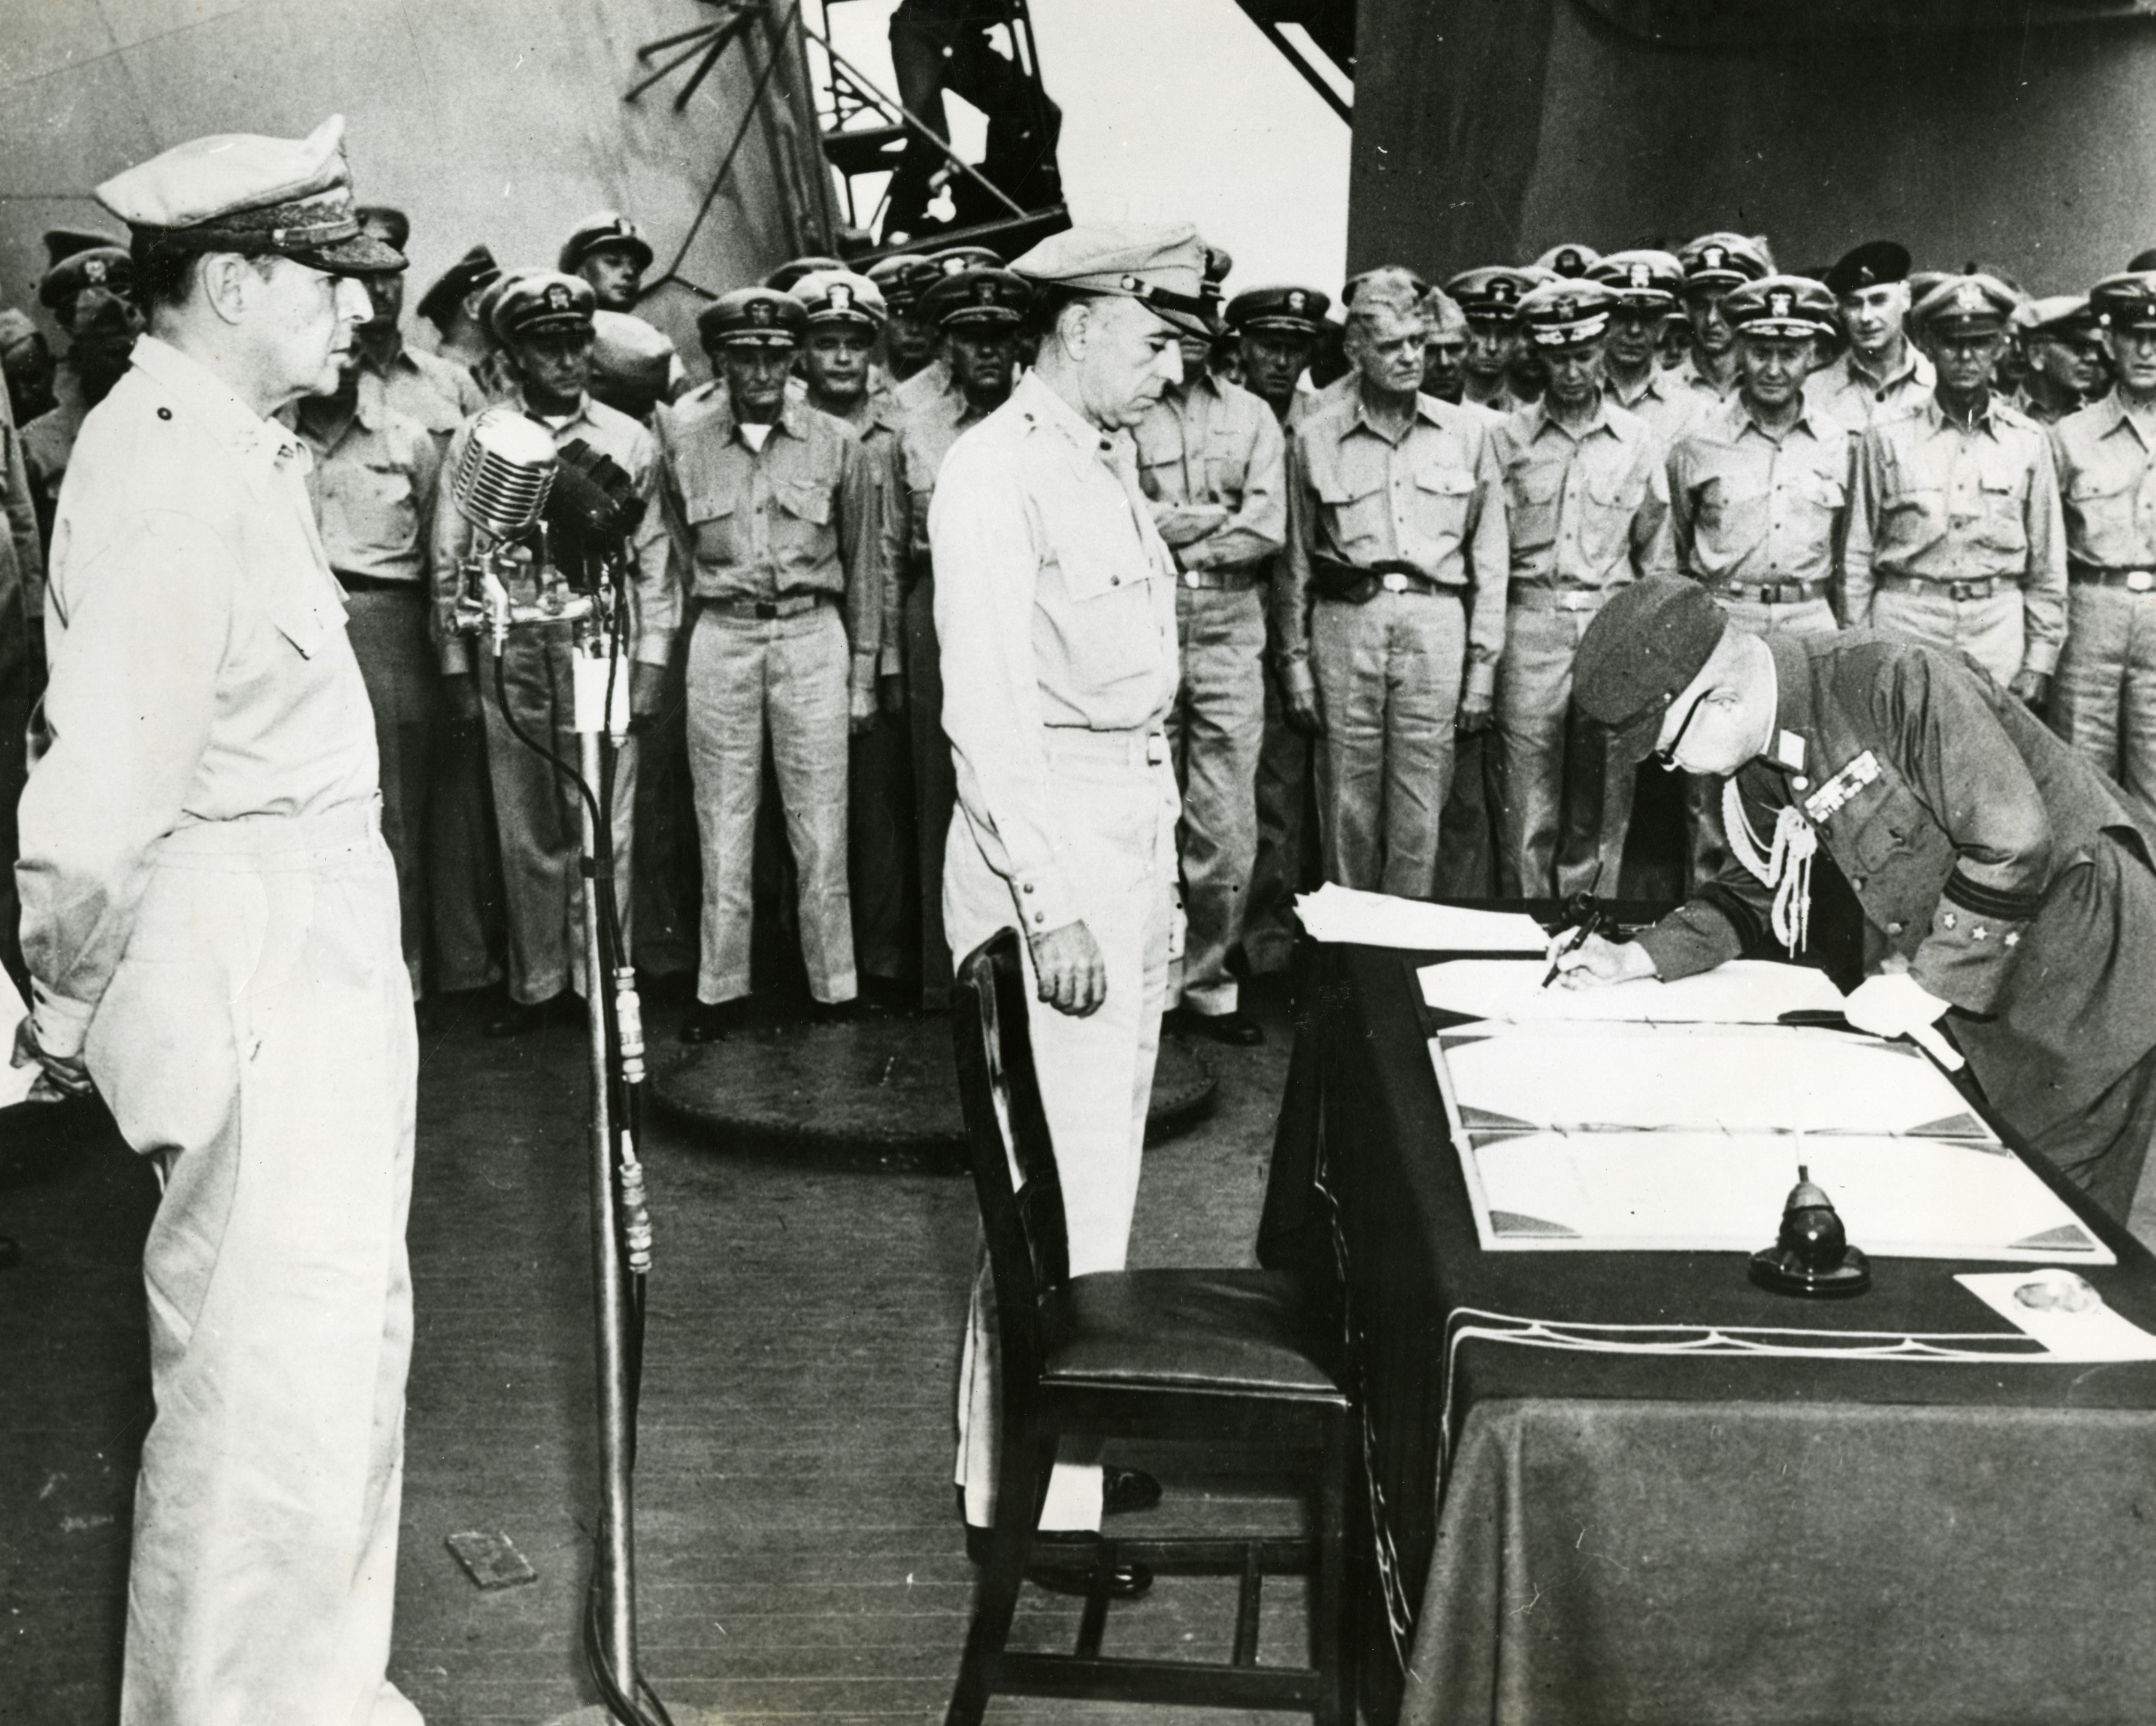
{"x":2041,"y":657}
{"x":61,"y":1024}
{"x":1044,"y":901}
{"x":1974,"y":940}
{"x":456,"y":658}
{"x":865,"y":673}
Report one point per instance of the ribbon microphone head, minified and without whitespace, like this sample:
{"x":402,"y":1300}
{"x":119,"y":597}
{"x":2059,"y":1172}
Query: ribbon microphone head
{"x":505,"y":474}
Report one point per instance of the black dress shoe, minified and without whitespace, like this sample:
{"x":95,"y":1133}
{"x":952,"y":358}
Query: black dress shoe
{"x":832,"y":1012}
{"x":1236,"y":1029}
{"x":1125,"y":1491}
{"x":709,"y":1021}
{"x":1063,"y":1561}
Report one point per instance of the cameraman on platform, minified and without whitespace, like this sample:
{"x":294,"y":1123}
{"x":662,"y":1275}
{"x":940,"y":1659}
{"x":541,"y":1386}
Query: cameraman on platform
{"x":544,"y":322}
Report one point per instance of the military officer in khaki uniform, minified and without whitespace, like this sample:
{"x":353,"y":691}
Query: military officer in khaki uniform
{"x":2007,"y":897}
{"x":1883,"y":374}
{"x":1713,"y":265}
{"x":1055,"y":609}
{"x":543,"y":320}
{"x":1955,"y":536}
{"x":1278,"y":329}
{"x":909,"y":340}
{"x":2062,"y":342}
{"x":1588,"y":508}
{"x":90,"y":295}
{"x":1210,"y":457}
{"x":450,"y":307}
{"x":418,"y":384}
{"x":776,"y":520}
{"x":1391,"y":620}
{"x":1490,"y":297}
{"x":610,"y":252}
{"x":2103,"y":700}
{"x":1644,"y":287}
{"x":934,"y":378}
{"x":210,"y":919}
{"x":846,"y":315}
{"x":976,"y":314}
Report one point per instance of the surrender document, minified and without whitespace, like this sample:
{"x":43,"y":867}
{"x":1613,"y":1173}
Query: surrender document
{"x":1346,"y":914}
{"x":1742,"y":992}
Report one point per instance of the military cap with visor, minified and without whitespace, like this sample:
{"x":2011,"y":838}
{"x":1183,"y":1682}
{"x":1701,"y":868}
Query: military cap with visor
{"x":1640,"y":654}
{"x":1644,"y":280}
{"x":1792,"y":306}
{"x":903,"y":278}
{"x":101,"y":267}
{"x":608,"y":228}
{"x":1161,"y":267}
{"x":1722,"y":260}
{"x":1561,"y":313}
{"x":839,"y":296}
{"x":288,"y":198}
{"x":1292,"y":311}
{"x":2125,"y":302}
{"x":790,"y":273}
{"x":1876,"y":264}
{"x":978,"y":299}
{"x":542,"y":302}
{"x":64,"y":242}
{"x":2061,"y":318}
{"x":392,"y":224}
{"x":1493,"y":291}
{"x":753,"y":317}
{"x":1569,"y":261}
{"x":953,"y":259}
{"x":474,"y":270}
{"x":1965,"y":305}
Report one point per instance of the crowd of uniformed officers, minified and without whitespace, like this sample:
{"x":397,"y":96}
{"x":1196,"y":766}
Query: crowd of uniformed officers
{"x":1390,"y":528}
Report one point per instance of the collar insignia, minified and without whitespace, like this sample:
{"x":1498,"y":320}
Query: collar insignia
{"x":1789,"y":750}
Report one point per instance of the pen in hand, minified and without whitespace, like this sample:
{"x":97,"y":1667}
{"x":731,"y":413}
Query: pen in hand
{"x":1577,"y":940}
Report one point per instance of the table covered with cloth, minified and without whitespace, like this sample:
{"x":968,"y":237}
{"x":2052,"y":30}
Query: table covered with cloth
{"x":1632,"y":1487}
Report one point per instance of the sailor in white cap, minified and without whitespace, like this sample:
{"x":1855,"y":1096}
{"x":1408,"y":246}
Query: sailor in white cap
{"x":1055,"y":613}
{"x":210,"y":918}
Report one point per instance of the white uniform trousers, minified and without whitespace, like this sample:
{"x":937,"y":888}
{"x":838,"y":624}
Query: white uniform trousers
{"x":1120,"y":811}
{"x":258,"y":1040}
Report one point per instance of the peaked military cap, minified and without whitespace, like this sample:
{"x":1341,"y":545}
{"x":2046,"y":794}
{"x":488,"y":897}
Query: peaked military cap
{"x":1570,"y":261}
{"x":2125,"y":302}
{"x":630,"y":354}
{"x":839,"y":296}
{"x":978,"y":299}
{"x":1644,"y":280}
{"x":489,"y":296}
{"x":1558,"y":313}
{"x":753,"y":317}
{"x":98,"y":267}
{"x":902,"y":277}
{"x":1161,"y":267}
{"x":1965,"y":305}
{"x":64,"y":242}
{"x":1294,"y":311}
{"x":783,"y":278}
{"x":1875,"y":263}
{"x":1721,"y":261}
{"x":465,"y":277}
{"x":1493,"y":291}
{"x":1639,"y":653}
{"x":2071,"y":317}
{"x":953,"y":259}
{"x":2142,"y":261}
{"x":1790,"y":305}
{"x":538,"y":302}
{"x":289,"y":197}
{"x":393,"y":225}
{"x":596,"y":233}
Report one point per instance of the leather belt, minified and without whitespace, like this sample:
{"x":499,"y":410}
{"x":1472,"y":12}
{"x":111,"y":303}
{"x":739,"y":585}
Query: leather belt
{"x":1223,"y":581}
{"x":378,"y":585}
{"x":765,"y":610}
{"x":1539,"y":598}
{"x":1356,"y":584}
{"x":2134,"y":581}
{"x":1982,"y":587}
{"x":1773,"y":593}
{"x":1127,"y":748}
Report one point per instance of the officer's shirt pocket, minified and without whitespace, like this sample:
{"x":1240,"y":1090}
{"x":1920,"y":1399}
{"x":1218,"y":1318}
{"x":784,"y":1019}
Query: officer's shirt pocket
{"x":1608,"y":503}
{"x":1360,"y":510}
{"x":1534,"y":490}
{"x":2100,"y":506}
{"x":2002,"y":491}
{"x":802,"y":535}
{"x":367,"y":511}
{"x":1441,"y":498}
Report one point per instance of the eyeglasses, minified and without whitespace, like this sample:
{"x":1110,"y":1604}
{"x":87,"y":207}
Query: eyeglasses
{"x":1667,"y":757}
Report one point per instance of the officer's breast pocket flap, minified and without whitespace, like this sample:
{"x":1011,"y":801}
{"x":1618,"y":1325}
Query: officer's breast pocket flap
{"x":707,"y":504}
{"x":806,"y":503}
{"x":304,"y":622}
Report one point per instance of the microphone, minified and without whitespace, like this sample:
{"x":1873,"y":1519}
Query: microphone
{"x":505,"y":474}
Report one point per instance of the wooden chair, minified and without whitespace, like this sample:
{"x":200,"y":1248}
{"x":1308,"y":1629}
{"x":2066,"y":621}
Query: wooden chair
{"x":1225,"y":1356}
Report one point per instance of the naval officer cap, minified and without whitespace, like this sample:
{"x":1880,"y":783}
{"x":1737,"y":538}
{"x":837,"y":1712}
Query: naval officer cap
{"x":62,"y":244}
{"x":978,"y":299}
{"x":1642,"y":280}
{"x":385,"y":222}
{"x":1569,"y":261}
{"x":542,"y":302}
{"x":474,"y":270}
{"x":1563,"y":313}
{"x":106,"y":267}
{"x":901,"y":278}
{"x":1791,"y":307}
{"x":2124,"y":302}
{"x":833,"y":297}
{"x":1966,"y":305}
{"x":1493,"y":291}
{"x":1722,"y":260}
{"x":953,"y":259}
{"x":753,"y":317}
{"x":1639,"y":653}
{"x":606,"y":229}
{"x":1161,"y":267}
{"x":1876,"y":264}
{"x":2061,"y":317}
{"x":788,"y":274}
{"x":289,"y":197}
{"x":1290,"y":311}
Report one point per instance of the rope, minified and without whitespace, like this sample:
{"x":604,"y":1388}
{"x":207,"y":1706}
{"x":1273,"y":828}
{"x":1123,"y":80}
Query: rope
{"x":1786,"y":867}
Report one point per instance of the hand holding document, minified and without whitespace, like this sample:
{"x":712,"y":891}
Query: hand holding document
{"x":1743,"y":992}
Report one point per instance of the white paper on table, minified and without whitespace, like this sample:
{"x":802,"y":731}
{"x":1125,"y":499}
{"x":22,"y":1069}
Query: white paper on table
{"x":1346,"y":914}
{"x":15,"y":1081}
{"x":2099,"y":1334}
{"x":1712,"y":1192}
{"x":1736,"y":1078}
{"x":1742,"y":992}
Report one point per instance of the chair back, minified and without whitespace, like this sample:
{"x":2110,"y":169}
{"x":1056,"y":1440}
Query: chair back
{"x":1008,"y":1142}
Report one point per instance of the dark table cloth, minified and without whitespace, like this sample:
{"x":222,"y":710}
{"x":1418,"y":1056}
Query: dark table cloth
{"x":1632,"y":1487}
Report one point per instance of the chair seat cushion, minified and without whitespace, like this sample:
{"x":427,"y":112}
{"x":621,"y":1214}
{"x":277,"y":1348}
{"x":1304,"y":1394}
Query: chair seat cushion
{"x":1191,"y":1330}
